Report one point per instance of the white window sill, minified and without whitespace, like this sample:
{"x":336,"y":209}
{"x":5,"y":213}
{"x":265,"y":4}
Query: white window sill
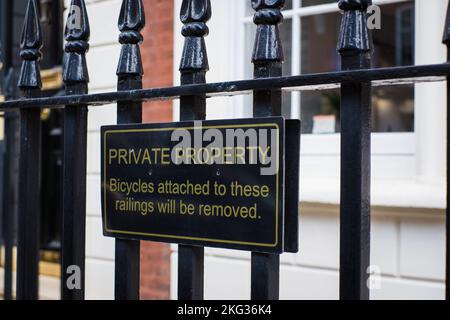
{"x":384,"y":192}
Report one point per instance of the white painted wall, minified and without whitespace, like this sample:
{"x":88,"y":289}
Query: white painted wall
{"x":407,"y":247}
{"x":430,"y":98}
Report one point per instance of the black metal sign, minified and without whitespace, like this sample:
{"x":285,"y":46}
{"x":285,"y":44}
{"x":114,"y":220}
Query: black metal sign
{"x":208,"y":183}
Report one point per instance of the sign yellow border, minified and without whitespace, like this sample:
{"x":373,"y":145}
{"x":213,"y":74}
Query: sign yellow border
{"x":186,"y":237}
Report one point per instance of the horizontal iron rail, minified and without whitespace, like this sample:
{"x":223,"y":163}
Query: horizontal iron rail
{"x":232,"y":87}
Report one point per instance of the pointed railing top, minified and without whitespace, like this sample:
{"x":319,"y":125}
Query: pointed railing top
{"x":132,"y":16}
{"x":30,"y":45}
{"x":31,"y":32}
{"x":268,"y":46}
{"x":131,"y":22}
{"x":77,"y":25}
{"x":195,"y":11}
{"x":354,"y":36}
{"x":268,"y":11}
{"x":446,"y":37}
{"x":77,"y":33}
{"x":194,"y":14}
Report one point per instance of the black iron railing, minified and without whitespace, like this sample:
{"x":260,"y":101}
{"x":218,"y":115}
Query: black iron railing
{"x":355,"y":80}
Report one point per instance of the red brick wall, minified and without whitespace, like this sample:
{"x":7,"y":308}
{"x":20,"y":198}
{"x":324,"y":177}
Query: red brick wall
{"x":157,"y":56}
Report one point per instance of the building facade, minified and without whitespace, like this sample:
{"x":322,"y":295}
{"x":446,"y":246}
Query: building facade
{"x":408,"y":146}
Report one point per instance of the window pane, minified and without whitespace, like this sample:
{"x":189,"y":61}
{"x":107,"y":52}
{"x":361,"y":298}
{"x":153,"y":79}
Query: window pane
{"x":250,"y":34}
{"x":393,"y":107}
{"x":286,"y":40}
{"x":249,"y":10}
{"x":318,"y":36}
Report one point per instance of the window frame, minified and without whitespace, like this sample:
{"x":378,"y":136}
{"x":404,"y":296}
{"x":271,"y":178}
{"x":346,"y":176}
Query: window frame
{"x":396,"y":156}
{"x":295,"y":14}
{"x":320,"y":145}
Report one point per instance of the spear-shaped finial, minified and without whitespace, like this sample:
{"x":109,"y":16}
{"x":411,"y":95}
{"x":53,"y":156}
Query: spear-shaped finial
{"x":354,"y":34}
{"x":194,"y":14}
{"x":131,"y":22}
{"x":30,"y":45}
{"x":354,"y":4}
{"x":446,"y":38}
{"x":77,"y":35}
{"x":268,"y":16}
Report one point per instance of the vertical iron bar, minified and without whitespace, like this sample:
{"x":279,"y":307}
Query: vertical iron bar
{"x":76,"y":78}
{"x":30,"y":160}
{"x":446,"y":41}
{"x":190,"y":272}
{"x":267,"y":59}
{"x":193,"y":67}
{"x":129,"y":72}
{"x":7,"y":214}
{"x":10,"y":120}
{"x":355,"y":48}
{"x":265,"y":276}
